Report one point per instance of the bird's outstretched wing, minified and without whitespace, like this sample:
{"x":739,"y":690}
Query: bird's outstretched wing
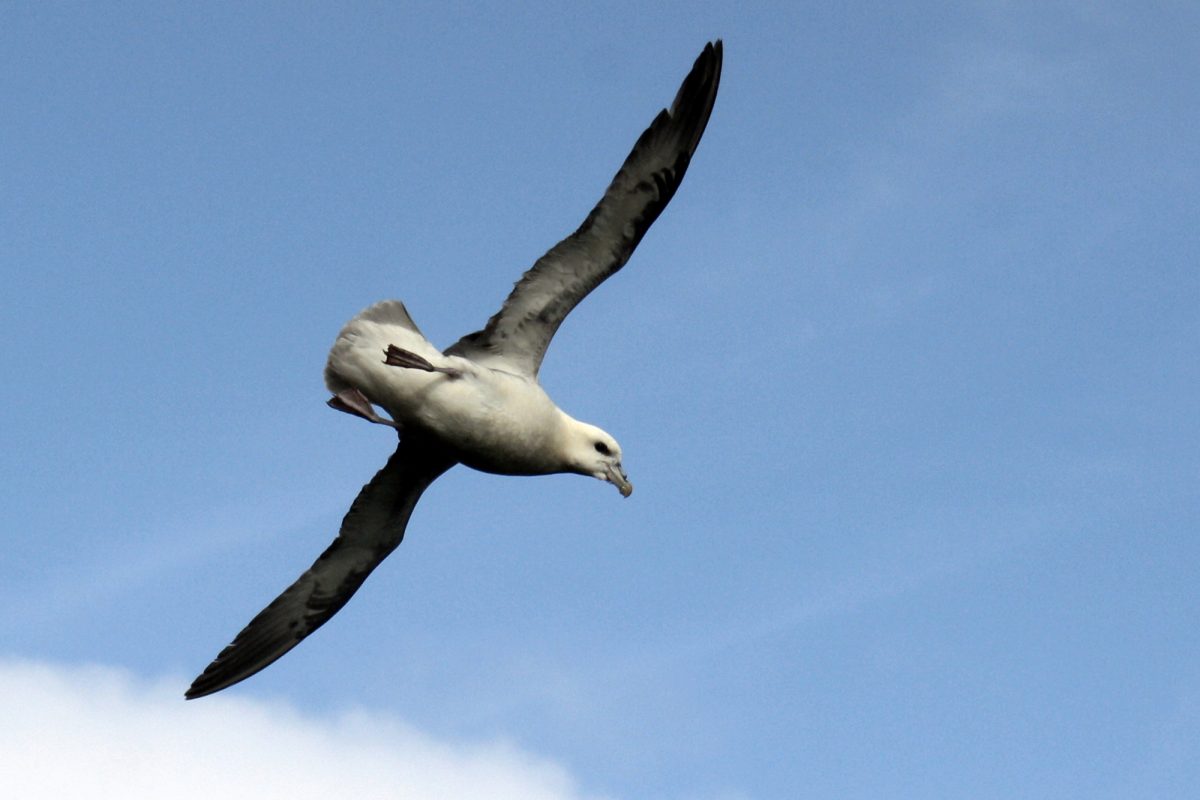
{"x":520,"y":332}
{"x":371,"y":529}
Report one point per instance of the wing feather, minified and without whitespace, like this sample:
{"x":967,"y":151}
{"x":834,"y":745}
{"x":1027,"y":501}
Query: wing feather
{"x":521,"y":331}
{"x":371,"y":530}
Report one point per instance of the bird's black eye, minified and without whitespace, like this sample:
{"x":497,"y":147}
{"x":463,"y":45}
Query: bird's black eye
{"x":602,"y":448}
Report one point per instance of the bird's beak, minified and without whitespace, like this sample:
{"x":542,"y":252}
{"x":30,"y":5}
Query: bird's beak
{"x":618,"y":478}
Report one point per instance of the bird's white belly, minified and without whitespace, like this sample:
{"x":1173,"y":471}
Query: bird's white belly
{"x":495,"y":422}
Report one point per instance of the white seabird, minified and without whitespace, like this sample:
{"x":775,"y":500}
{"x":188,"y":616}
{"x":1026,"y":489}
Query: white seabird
{"x":479,"y":403}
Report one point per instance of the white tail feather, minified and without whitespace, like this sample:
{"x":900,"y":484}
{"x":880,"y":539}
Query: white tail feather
{"x":356,"y":358}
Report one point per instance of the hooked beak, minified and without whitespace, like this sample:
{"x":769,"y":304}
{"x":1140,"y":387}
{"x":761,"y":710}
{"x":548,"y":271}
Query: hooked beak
{"x":618,"y":478}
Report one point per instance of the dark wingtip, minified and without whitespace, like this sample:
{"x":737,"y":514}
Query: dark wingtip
{"x":677,"y":130}
{"x":216,"y":677}
{"x":221,"y":674}
{"x":198,"y":689}
{"x":703,"y":79}
{"x":693,"y":103}
{"x":203,"y":688}
{"x":204,"y":683}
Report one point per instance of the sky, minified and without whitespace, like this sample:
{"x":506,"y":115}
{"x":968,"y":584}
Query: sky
{"x":906,"y":377}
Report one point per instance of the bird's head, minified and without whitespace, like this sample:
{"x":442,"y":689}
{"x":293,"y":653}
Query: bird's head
{"x":594,"y":452}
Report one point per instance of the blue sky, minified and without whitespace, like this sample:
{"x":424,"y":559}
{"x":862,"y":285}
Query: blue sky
{"x":906,"y":377}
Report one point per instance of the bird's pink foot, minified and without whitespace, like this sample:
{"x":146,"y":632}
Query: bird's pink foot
{"x":352,"y":401}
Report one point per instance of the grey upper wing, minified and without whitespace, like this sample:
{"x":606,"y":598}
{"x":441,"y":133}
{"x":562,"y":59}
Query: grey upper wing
{"x":520,"y":332}
{"x":371,"y":529}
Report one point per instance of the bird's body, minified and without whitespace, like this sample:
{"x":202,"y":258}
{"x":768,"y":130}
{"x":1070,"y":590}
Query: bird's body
{"x":478,"y":403}
{"x":493,"y":420}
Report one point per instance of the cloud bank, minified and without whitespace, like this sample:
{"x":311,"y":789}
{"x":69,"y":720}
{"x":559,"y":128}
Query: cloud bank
{"x":94,"y":732}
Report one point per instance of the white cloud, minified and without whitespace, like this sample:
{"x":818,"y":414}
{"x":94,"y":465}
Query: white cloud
{"x":92,"y":732}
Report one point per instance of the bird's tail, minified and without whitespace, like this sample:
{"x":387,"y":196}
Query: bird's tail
{"x":356,"y":359}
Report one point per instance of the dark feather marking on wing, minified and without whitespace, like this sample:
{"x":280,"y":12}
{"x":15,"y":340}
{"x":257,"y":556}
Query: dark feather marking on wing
{"x":370,"y":531}
{"x":521,"y":331}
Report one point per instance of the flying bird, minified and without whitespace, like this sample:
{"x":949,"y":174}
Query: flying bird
{"x":479,"y":402}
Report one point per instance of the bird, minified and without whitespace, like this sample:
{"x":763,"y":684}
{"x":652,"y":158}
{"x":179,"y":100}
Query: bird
{"x":478,"y":403}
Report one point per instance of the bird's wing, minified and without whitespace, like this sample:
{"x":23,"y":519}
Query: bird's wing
{"x":520,"y":332}
{"x":371,"y":529}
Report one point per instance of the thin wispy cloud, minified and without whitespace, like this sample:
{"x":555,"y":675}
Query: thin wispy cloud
{"x":146,"y":553}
